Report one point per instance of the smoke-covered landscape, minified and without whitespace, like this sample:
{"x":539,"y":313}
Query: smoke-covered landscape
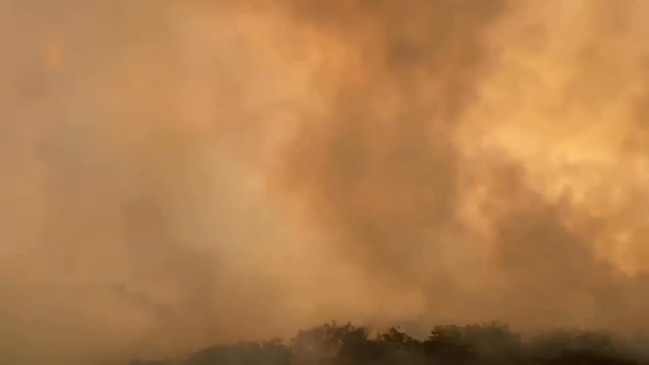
{"x":185,"y":180}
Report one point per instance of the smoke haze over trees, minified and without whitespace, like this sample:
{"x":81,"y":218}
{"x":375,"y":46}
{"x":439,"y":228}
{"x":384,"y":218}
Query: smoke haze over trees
{"x":181,"y":173}
{"x":491,"y":343}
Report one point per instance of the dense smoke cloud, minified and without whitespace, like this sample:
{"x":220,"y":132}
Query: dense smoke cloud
{"x":178,"y":173}
{"x":480,"y":155}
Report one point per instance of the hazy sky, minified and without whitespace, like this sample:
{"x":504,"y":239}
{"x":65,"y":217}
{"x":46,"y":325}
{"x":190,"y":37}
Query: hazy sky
{"x":178,"y":173}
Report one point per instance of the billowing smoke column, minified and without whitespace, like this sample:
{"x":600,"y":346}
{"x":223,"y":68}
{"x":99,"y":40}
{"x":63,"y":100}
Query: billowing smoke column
{"x":178,"y":173}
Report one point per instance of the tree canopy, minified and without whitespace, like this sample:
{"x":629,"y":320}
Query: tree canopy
{"x":488,"y":344}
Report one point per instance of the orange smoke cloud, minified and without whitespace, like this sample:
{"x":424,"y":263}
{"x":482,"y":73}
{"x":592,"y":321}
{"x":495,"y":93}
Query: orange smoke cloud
{"x":180,"y":173}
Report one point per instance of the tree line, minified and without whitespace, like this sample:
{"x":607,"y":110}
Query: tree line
{"x":487,"y":344}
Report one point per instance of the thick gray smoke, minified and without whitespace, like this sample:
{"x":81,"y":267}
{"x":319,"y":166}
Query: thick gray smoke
{"x":178,"y":173}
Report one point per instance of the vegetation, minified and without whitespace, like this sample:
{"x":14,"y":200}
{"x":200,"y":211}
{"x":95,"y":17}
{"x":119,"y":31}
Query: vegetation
{"x":490,"y":344}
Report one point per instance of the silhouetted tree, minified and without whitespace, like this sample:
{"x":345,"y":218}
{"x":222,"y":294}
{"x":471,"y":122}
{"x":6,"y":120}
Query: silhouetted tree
{"x":486,"y":344}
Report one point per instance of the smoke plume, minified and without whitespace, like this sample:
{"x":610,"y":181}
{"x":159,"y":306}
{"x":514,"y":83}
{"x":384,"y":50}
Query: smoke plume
{"x":179,"y":173}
